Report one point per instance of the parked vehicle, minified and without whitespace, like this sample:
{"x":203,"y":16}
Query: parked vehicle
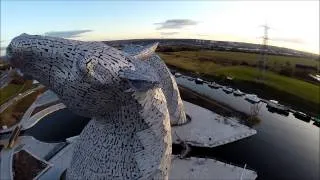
{"x":227,"y":90}
{"x":190,"y":78}
{"x":316,"y":121}
{"x":214,"y":85}
{"x":252,"y":98}
{"x":274,"y":106}
{"x":229,"y":78}
{"x":177,"y":74}
{"x":199,"y":81}
{"x":302,"y":116}
{"x":238,"y":93}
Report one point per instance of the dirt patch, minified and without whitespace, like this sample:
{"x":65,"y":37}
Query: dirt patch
{"x":13,"y":114}
{"x":25,"y":166}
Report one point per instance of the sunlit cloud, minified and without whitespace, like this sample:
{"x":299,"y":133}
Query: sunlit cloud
{"x":175,"y":24}
{"x":168,"y":33}
{"x":66,"y":34}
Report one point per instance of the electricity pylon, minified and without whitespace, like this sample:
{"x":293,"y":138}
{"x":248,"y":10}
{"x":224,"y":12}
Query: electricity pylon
{"x":263,"y":57}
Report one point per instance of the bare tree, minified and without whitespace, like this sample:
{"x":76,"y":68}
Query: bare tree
{"x":254,"y":110}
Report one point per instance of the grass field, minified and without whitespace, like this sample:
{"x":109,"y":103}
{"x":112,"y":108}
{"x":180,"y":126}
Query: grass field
{"x":12,"y":90}
{"x":9,"y":91}
{"x":212,"y":63}
{"x":191,"y":64}
{"x":292,"y":86}
{"x":14,"y":113}
{"x":239,"y":57}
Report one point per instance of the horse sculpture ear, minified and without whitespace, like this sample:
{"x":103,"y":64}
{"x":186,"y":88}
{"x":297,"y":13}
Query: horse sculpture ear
{"x":140,"y":52}
{"x":141,"y":77}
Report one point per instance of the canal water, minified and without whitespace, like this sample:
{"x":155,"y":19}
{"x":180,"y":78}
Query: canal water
{"x":283,"y":148}
{"x":58,"y":126}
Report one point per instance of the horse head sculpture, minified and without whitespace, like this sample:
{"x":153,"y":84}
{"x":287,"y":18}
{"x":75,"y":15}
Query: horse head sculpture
{"x":130,"y":95}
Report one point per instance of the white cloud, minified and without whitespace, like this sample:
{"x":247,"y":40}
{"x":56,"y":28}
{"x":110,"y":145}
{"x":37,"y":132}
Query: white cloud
{"x":66,"y":34}
{"x":176,"y":24}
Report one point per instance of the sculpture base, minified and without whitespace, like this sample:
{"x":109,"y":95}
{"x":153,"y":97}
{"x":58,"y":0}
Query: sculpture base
{"x":208,"y":129}
{"x":200,"y":168}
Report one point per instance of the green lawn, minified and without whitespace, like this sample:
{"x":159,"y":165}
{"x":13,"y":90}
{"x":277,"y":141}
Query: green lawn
{"x":275,"y":62}
{"x":14,"y":113}
{"x":190,"y":64}
{"x":9,"y":91}
{"x":305,"y":90}
{"x":13,"y":89}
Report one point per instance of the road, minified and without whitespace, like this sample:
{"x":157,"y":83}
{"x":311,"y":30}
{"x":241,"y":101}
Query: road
{"x":5,"y":78}
{"x":6,"y":164}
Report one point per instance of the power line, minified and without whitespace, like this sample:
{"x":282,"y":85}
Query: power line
{"x":263,"y":58}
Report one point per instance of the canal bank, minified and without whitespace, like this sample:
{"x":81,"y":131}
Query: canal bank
{"x":217,"y":107}
{"x":284,"y":147}
{"x":261,"y":90}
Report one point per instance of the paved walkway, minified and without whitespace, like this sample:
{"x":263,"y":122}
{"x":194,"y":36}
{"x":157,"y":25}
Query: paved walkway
{"x":201,"y":168}
{"x":60,"y":163}
{"x":190,"y":168}
{"x":208,"y":129}
{"x":5,"y":78}
{"x":6,"y":164}
{"x":31,"y":121}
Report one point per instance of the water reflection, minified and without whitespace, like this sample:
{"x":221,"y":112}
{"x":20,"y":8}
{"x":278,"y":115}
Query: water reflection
{"x":58,"y":126}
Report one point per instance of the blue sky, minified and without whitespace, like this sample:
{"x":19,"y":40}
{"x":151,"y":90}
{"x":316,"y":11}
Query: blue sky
{"x":294,"y":24}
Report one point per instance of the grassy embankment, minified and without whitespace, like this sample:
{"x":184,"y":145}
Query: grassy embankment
{"x":221,"y":64}
{"x":13,"y":89}
{"x":215,"y":59}
{"x":292,"y":86}
{"x":14,"y":113}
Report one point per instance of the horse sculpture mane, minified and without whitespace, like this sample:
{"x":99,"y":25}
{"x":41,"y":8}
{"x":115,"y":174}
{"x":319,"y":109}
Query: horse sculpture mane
{"x":130,"y":95}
